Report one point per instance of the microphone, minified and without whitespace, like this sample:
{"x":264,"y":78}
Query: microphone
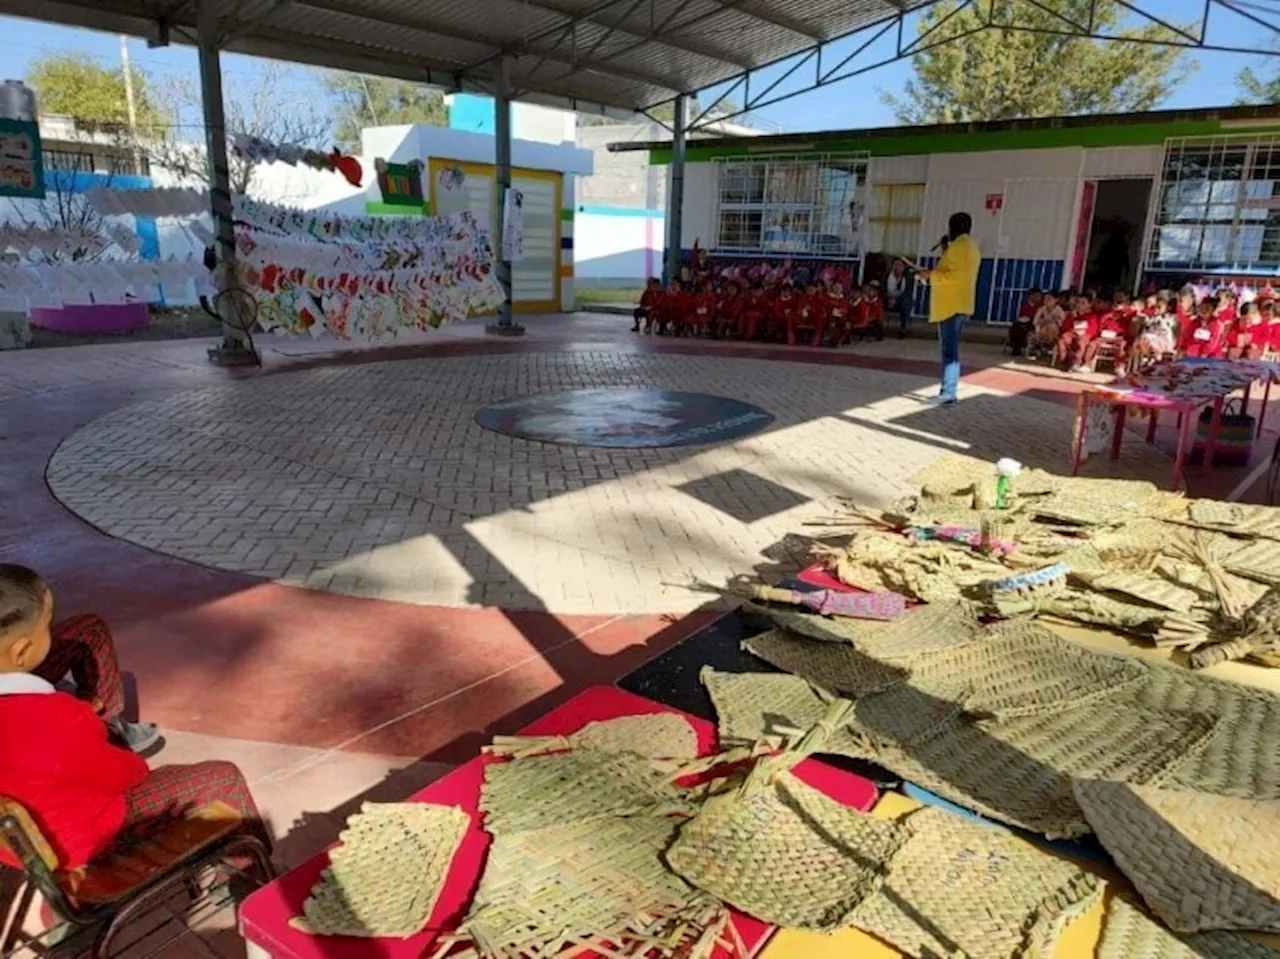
{"x":940,"y":244}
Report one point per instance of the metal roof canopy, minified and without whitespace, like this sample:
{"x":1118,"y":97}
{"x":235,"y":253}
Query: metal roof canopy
{"x":605,"y":56}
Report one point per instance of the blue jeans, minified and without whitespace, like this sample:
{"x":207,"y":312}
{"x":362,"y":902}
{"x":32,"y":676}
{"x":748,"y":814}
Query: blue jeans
{"x":904,"y":313}
{"x":949,"y":340}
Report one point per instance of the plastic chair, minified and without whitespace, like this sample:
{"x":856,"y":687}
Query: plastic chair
{"x":97,"y":901}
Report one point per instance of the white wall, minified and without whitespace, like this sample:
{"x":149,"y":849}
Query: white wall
{"x":1116,"y":162}
{"x":400,"y":144}
{"x":617,"y":251}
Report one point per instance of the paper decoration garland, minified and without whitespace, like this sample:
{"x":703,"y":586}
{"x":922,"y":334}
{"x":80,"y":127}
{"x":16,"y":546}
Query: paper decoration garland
{"x":259,"y":150}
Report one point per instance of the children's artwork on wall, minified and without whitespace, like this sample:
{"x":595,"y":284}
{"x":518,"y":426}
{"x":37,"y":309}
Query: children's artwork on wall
{"x":400,"y":183}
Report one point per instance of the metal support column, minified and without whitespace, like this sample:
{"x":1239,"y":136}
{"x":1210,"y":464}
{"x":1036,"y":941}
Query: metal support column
{"x":502,"y":170}
{"x":235,"y":347}
{"x":675,"y":191}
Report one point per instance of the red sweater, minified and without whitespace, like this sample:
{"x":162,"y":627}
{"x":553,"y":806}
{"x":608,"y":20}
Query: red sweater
{"x":56,"y":761}
{"x":1202,"y":339}
{"x":1083,"y":325}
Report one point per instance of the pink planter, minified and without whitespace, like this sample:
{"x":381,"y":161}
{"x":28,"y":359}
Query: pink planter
{"x":93,"y":318}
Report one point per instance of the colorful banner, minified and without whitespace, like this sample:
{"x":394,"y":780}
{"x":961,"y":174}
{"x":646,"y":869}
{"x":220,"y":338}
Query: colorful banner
{"x":21,"y":160}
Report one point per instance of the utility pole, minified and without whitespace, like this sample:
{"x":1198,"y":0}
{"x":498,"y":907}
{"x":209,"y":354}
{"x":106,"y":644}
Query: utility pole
{"x":131,"y":105}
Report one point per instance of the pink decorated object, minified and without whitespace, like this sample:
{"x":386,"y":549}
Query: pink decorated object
{"x":93,"y":318}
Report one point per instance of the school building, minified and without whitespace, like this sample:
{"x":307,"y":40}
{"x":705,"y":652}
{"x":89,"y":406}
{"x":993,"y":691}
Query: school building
{"x":1118,"y":202}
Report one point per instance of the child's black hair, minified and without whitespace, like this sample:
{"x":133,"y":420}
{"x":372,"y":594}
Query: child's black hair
{"x":21,"y":597}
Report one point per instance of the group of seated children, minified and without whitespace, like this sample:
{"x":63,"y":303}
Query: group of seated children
{"x":819,"y":312}
{"x":1074,"y":329}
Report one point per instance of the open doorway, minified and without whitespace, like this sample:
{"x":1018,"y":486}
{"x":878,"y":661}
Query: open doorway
{"x":1115,"y":234}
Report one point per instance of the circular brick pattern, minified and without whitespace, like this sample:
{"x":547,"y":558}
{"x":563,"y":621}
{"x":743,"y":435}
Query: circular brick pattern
{"x":375,"y":480}
{"x":624,"y":418}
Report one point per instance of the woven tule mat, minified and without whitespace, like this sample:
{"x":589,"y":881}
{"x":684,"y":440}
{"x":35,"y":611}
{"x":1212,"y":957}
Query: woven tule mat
{"x":925,"y":629}
{"x":961,"y":888}
{"x":523,"y":794}
{"x":837,"y":666}
{"x":657,"y":736}
{"x":1241,"y":519}
{"x":1019,"y":667}
{"x":1128,"y":933}
{"x":1242,"y":758}
{"x":1019,"y":770}
{"x":1199,"y":861}
{"x":830,"y":629}
{"x":384,"y":877}
{"x":784,"y":852}
{"x":588,"y":883}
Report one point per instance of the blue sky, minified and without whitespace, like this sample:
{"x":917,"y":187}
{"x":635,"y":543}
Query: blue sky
{"x":850,"y":104}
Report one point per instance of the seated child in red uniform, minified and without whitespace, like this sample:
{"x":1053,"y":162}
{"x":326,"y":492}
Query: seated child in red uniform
{"x":729,"y":307}
{"x":758,"y":307}
{"x":1115,"y":329}
{"x":868,"y":313}
{"x":1271,"y":319}
{"x":810,"y":314}
{"x":648,"y":304}
{"x":786,"y":311}
{"x":57,"y":757}
{"x":672,"y":307}
{"x":1078,"y":330}
{"x":1246,"y":338}
{"x":702,"y":311}
{"x":1203,"y":336}
{"x":837,"y":314}
{"x":1023,"y":324}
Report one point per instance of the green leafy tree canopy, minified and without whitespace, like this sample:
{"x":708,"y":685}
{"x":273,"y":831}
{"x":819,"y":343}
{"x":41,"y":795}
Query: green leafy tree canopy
{"x":362,"y":101}
{"x":986,"y":71}
{"x":1255,"y":89}
{"x":77,"y":86}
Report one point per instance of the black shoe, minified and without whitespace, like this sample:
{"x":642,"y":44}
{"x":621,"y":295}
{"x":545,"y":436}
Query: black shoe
{"x":140,"y":738}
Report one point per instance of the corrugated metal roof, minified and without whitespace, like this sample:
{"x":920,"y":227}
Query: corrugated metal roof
{"x":615,"y":54}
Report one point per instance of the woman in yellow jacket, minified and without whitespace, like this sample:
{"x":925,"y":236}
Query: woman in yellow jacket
{"x":953,"y":286}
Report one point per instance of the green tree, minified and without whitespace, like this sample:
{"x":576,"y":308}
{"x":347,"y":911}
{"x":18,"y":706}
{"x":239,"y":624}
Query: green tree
{"x":1254,"y":89}
{"x":74,"y":85}
{"x":362,"y":101}
{"x":987,"y":71}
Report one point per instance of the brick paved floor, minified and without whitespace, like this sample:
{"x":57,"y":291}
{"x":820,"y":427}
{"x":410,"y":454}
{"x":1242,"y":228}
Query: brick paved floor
{"x":375,"y":481}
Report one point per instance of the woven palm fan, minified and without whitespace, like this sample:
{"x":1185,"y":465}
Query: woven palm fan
{"x":958,"y":888}
{"x":840,"y":667}
{"x":588,"y":886}
{"x":1150,"y":590}
{"x":780,"y":850}
{"x":1128,"y":933}
{"x":658,"y":736}
{"x":1257,"y":559}
{"x":1242,"y":757}
{"x":387,"y":871}
{"x":752,"y":705}
{"x":523,"y":794}
{"x":1199,"y":861}
{"x":1241,"y":519}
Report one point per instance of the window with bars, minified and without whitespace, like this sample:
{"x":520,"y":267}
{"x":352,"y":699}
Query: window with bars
{"x":73,"y":161}
{"x":894,"y":216}
{"x":790,"y":204}
{"x":1219,"y":204}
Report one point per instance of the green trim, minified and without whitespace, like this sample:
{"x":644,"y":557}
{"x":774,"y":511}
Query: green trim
{"x":396,"y":209}
{"x":891,"y":144}
{"x":566,"y":216}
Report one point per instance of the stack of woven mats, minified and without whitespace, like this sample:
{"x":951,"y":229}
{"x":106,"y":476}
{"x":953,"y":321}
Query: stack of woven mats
{"x":1201,"y":575}
{"x":1177,"y":773}
{"x":619,"y":840}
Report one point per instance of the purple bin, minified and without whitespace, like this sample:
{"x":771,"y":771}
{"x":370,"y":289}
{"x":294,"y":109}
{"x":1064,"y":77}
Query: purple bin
{"x":93,"y":318}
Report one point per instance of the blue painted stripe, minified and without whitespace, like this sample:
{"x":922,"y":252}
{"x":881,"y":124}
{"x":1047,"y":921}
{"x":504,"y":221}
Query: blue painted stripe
{"x":621,"y":211}
{"x":566,"y":242}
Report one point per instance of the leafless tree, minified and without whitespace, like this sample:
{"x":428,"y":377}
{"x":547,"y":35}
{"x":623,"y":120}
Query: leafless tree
{"x":263,"y":108}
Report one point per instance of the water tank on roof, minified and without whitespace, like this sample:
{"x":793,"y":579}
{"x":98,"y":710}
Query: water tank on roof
{"x":17,"y":101}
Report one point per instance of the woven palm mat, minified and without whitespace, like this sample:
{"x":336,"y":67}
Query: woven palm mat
{"x":1239,"y":518}
{"x":1257,"y":559}
{"x":1144,"y":587}
{"x":839,"y":667}
{"x":751,"y":706}
{"x":784,"y":852}
{"x":1199,"y":861}
{"x":586,"y":883}
{"x":1242,"y":758}
{"x":522,"y":794}
{"x":658,"y":736}
{"x":831,"y":629}
{"x":961,"y":888}
{"x":1019,"y":667}
{"x":1128,"y":933}
{"x":923,"y":629}
{"x":1019,"y":770}
{"x":384,"y":877}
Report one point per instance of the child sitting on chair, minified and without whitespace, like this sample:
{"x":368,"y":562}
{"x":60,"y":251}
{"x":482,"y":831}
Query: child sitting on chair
{"x":1202,"y":337}
{"x":1114,"y":330}
{"x":672,"y":306}
{"x":57,"y":758}
{"x":837,"y":314}
{"x":1046,"y":326}
{"x":1158,"y":336}
{"x":1024,"y":323}
{"x":1246,"y":339}
{"x":648,"y":304}
{"x":729,"y":307}
{"x":1079,"y":328}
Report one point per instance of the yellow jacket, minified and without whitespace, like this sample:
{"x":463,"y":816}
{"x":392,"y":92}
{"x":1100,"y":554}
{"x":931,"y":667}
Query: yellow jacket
{"x":953,"y":282}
